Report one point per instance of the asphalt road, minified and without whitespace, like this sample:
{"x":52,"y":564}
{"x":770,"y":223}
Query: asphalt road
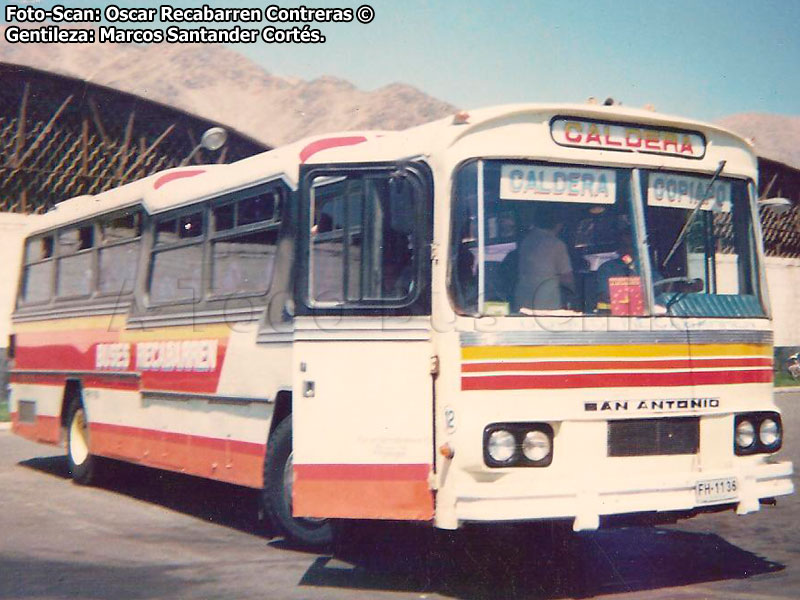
{"x":147,"y":534}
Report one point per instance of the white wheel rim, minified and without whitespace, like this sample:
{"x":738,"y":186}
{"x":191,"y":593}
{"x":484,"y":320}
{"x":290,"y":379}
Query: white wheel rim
{"x":78,"y":438}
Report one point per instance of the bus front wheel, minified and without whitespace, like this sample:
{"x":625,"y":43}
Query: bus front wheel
{"x":277,"y":493}
{"x":82,"y":465}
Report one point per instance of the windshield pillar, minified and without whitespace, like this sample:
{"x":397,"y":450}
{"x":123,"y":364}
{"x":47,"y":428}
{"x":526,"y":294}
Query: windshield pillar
{"x":481,"y":243}
{"x":643,"y":240}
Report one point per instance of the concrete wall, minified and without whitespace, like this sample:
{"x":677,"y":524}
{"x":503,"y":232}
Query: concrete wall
{"x":12,"y":231}
{"x":783,"y":278}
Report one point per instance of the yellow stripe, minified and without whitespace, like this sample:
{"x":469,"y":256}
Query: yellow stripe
{"x":183,"y":332}
{"x":105,"y":322}
{"x":613,"y":351}
{"x":117,"y":323}
{"x":731,"y":350}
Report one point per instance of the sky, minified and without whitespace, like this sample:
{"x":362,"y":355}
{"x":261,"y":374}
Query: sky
{"x":703,"y":59}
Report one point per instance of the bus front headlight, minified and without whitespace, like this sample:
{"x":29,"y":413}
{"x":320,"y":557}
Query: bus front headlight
{"x":757,"y":433}
{"x":536,"y":446}
{"x":501,"y":446}
{"x":745,"y":435}
{"x":769,"y":433}
{"x":518,"y":445}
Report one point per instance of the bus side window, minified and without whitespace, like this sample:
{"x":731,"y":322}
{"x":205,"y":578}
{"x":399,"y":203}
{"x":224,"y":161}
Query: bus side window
{"x":335,"y":239}
{"x":118,"y":255}
{"x":75,"y":273}
{"x":244,"y":244}
{"x":176,"y":269}
{"x":363,"y":241}
{"x":37,"y":277}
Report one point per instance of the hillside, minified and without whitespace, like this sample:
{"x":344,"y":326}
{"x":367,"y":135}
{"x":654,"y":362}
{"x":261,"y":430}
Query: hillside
{"x":775,"y":136}
{"x":217,"y":83}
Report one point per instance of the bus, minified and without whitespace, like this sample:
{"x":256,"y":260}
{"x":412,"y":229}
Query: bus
{"x":519,"y":313}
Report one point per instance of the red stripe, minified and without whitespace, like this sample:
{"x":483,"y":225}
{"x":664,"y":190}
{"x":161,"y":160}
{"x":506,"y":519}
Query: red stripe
{"x":723,"y":377}
{"x":607,"y":380}
{"x":334,"y":142}
{"x":165,"y":179}
{"x":36,"y":378}
{"x":615,"y":364}
{"x":108,"y":381}
{"x":406,"y":472}
{"x":99,"y":380}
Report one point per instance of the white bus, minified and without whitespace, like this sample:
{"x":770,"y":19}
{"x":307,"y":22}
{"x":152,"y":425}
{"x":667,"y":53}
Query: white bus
{"x":519,"y":313}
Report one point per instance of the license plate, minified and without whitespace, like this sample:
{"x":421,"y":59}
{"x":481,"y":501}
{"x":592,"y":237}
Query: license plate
{"x":708,"y":491}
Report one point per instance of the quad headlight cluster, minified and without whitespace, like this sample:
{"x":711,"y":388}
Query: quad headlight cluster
{"x":755,"y":433}
{"x":518,"y":445}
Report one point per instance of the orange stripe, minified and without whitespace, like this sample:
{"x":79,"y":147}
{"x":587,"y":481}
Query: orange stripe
{"x":232,"y":461}
{"x":361,"y":499}
{"x":369,"y":472}
{"x":363,"y":491}
{"x":47,"y":429}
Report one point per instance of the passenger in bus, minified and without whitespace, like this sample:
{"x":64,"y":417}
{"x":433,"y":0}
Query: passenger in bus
{"x":545,"y":270}
{"x":466,"y":272}
{"x":397,"y":265}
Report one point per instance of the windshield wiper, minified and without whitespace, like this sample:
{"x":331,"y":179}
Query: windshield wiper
{"x":696,"y":210}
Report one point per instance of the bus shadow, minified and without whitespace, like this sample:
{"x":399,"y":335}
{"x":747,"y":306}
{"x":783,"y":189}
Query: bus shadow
{"x":523,"y":563}
{"x":213,"y":501}
{"x":518,"y":562}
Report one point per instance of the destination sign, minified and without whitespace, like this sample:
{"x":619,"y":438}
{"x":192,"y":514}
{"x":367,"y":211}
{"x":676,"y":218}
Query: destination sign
{"x":682,"y":191}
{"x":627,"y":137}
{"x":558,"y":184}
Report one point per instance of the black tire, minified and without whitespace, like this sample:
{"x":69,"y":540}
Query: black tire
{"x":277,"y":493}
{"x":82,"y":465}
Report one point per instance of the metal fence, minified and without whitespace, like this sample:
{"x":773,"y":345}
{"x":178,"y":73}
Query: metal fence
{"x":61,"y":137}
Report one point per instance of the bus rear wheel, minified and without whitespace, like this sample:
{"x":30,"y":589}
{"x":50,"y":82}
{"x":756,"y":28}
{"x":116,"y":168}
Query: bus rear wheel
{"x":277,"y":493}
{"x":82,"y":465}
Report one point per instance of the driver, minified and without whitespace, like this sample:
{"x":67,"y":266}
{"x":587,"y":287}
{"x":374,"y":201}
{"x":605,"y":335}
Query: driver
{"x":544,"y":266}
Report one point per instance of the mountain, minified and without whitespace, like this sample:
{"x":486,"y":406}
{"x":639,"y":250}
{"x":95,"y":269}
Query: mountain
{"x":775,"y":136}
{"x":217,"y":83}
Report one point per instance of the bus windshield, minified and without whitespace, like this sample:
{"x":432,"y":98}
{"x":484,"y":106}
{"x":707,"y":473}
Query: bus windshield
{"x":533,"y":238}
{"x":713,"y":271}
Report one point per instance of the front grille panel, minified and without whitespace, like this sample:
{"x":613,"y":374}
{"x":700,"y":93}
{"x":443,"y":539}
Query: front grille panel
{"x":654,"y":437}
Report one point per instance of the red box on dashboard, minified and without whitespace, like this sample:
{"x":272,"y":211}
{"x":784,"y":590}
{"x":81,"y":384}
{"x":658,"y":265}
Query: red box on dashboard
{"x":627,"y":299}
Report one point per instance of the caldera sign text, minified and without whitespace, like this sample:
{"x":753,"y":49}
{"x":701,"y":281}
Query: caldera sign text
{"x":627,"y":137}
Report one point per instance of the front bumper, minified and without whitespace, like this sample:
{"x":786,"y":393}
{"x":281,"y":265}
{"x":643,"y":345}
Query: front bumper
{"x":586,"y":500}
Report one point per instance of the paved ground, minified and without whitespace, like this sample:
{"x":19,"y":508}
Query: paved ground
{"x":146,"y":534}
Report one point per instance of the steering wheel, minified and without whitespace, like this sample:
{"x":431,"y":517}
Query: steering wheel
{"x":679,"y":284}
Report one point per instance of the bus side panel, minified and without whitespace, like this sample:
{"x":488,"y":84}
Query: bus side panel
{"x":363,"y":438}
{"x":36,"y":408}
{"x":204,"y":417}
{"x":197,"y":437}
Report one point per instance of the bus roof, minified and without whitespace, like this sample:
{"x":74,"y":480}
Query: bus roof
{"x":160,"y":192}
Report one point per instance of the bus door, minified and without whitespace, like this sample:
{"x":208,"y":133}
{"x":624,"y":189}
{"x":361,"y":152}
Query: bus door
{"x":362,"y":388}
